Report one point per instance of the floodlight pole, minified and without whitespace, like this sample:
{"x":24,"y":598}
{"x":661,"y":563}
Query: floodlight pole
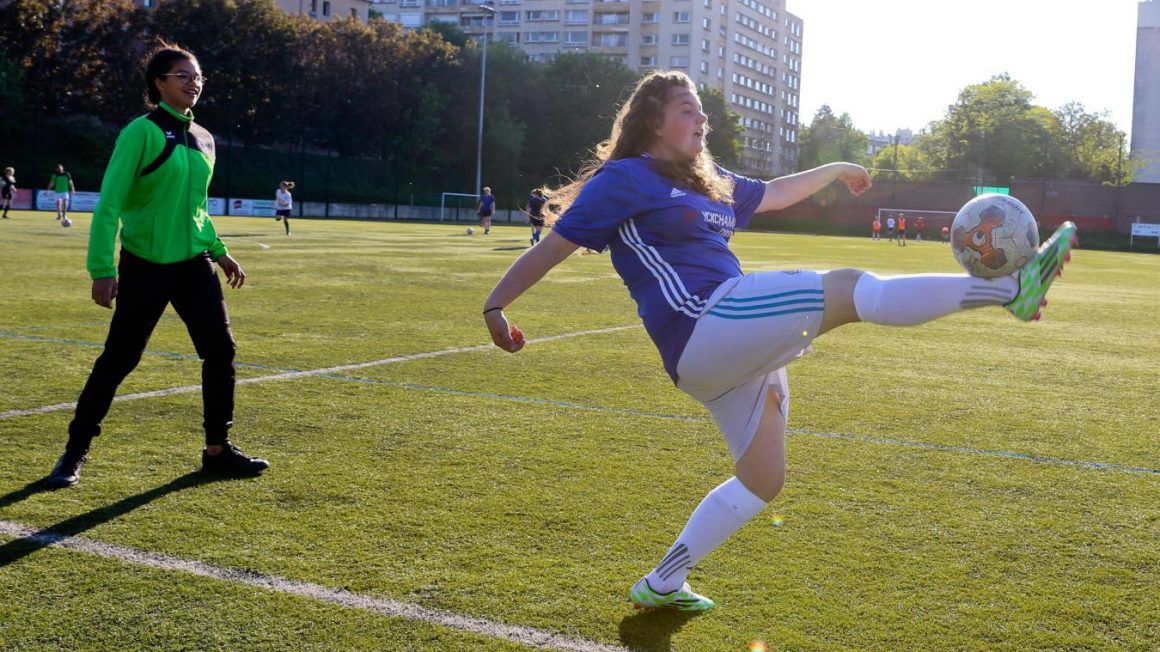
{"x":490,"y":13}
{"x":894,"y":186}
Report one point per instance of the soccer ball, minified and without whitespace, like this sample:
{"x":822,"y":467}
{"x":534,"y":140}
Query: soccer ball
{"x":470,"y":231}
{"x":994,"y":235}
{"x":66,"y":222}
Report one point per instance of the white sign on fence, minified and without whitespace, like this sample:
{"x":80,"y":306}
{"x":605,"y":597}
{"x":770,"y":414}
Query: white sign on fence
{"x":259,"y":207}
{"x":1144,"y":230}
{"x":77,"y":201}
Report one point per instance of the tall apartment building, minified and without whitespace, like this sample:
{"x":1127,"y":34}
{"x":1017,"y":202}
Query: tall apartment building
{"x":1146,"y":98}
{"x":750,"y":50}
{"x":327,"y":9}
{"x":320,"y":9}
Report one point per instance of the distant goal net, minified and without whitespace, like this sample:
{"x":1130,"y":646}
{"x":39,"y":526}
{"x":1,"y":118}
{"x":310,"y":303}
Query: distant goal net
{"x":933,"y":221}
{"x":942,"y":218}
{"x":458,"y":206}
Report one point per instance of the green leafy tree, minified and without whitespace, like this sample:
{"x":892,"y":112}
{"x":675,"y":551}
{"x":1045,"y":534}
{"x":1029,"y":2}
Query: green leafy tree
{"x":580,"y":95}
{"x":247,"y":49}
{"x":449,"y":32}
{"x":993,"y":133}
{"x":1092,"y":147}
{"x":72,"y":54}
{"x":725,"y":129}
{"x":830,"y":138}
{"x":511,"y":84}
{"x":904,"y":163}
{"x":12,"y":93}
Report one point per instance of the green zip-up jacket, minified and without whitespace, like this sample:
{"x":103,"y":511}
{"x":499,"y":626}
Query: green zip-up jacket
{"x":156,"y":185}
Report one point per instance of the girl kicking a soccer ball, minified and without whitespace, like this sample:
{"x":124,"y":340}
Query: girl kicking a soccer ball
{"x":657,"y":200}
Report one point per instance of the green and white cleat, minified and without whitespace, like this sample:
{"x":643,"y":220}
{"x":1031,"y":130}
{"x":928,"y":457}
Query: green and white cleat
{"x":1036,"y":276}
{"x":683,"y":599}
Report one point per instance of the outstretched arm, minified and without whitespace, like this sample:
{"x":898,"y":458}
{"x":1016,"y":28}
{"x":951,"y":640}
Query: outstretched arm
{"x":523,"y":274}
{"x":789,"y":190}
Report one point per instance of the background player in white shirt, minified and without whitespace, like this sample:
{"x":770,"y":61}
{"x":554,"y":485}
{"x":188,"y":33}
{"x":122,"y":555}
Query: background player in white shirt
{"x":284,"y":203}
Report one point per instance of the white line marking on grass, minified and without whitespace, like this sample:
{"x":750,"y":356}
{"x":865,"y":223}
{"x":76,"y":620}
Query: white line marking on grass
{"x":529,"y":636}
{"x":868,"y":439}
{"x":287,"y":375}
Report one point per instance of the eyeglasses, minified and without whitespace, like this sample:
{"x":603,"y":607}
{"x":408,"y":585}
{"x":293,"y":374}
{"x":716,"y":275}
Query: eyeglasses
{"x":185,"y":77}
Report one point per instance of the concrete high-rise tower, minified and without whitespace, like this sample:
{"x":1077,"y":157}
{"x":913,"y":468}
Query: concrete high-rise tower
{"x":750,"y":50}
{"x":1146,"y":97}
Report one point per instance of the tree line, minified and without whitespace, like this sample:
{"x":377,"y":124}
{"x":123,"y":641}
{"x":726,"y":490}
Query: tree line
{"x":991,"y":134}
{"x":396,"y":106}
{"x":381,"y":113}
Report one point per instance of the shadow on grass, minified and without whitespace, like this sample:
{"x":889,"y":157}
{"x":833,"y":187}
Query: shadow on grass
{"x":519,"y":248}
{"x":30,"y":489}
{"x":653,"y":630}
{"x":17,"y":549}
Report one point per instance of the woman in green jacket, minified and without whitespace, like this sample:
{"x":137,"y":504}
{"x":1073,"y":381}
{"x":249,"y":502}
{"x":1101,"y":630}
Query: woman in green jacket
{"x":156,"y":186}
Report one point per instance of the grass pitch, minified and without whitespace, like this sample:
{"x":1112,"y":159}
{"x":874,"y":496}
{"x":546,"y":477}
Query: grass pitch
{"x":972,"y":484}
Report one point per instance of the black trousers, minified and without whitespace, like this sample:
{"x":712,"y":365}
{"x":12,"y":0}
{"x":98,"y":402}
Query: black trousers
{"x":144,"y":290}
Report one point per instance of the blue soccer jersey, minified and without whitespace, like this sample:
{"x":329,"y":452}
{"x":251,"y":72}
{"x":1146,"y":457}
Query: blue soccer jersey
{"x":486,"y":204}
{"x":669,"y":243}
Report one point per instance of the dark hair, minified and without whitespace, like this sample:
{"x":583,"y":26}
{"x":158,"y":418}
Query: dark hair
{"x":633,"y":131}
{"x":158,"y":62}
{"x":289,"y":185}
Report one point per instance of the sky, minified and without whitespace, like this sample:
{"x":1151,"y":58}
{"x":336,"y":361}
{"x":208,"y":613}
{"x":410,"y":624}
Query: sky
{"x":898,"y":64}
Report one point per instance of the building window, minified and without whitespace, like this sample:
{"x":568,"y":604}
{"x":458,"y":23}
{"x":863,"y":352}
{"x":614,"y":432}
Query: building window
{"x":681,"y":17}
{"x":615,"y":18}
{"x":542,"y":37}
{"x":705,"y":67}
{"x":609,"y":40}
{"x":354,"y":13}
{"x":575,"y":38}
{"x":648,"y":39}
{"x":648,"y":61}
{"x":576,"y":17}
{"x":509,"y":18}
{"x":704,"y":45}
{"x":706,"y":23}
{"x":680,"y":39}
{"x":679,"y":62}
{"x":326,"y":8}
{"x":650,"y":17}
{"x":541,"y":15}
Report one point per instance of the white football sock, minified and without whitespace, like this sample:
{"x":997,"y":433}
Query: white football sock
{"x":919,"y":298}
{"x":720,"y":514}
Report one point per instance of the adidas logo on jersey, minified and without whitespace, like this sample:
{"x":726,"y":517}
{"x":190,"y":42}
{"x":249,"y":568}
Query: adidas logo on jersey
{"x":676,"y":193}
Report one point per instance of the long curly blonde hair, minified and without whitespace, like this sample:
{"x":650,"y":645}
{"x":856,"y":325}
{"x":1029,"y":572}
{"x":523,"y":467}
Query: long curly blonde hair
{"x":633,"y":131}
